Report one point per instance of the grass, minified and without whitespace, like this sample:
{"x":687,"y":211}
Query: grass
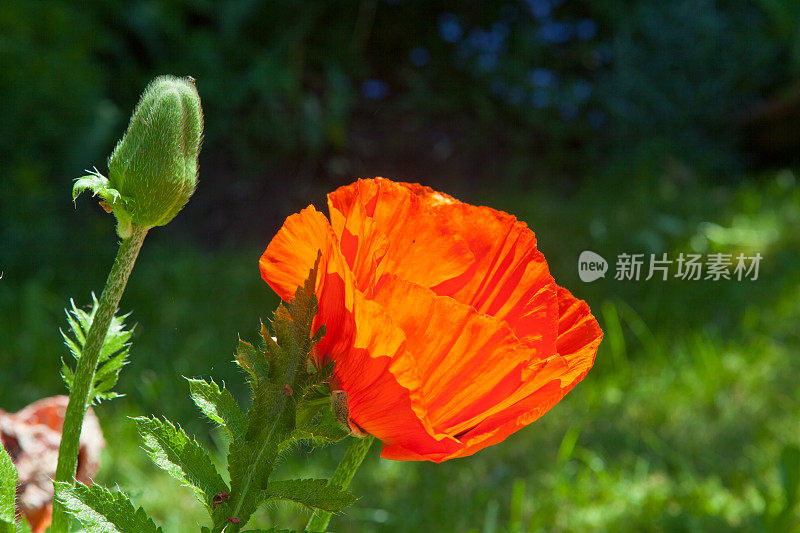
{"x":687,"y":422}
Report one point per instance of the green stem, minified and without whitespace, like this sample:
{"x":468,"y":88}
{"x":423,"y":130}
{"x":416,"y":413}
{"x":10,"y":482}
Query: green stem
{"x":79,"y":399}
{"x":341,"y":478}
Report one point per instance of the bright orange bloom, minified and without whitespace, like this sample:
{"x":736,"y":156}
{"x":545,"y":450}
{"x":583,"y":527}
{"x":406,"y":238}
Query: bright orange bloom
{"x":447,"y":331}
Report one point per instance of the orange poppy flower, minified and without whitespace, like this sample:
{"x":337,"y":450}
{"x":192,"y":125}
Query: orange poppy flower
{"x":447,"y":331}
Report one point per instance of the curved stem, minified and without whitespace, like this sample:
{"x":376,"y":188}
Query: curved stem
{"x":79,"y":396}
{"x":341,"y":477}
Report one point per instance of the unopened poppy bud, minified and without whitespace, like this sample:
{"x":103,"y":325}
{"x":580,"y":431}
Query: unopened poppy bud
{"x":153,"y":168}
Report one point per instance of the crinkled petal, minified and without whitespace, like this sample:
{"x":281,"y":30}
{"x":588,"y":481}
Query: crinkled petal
{"x":386,"y":228}
{"x":578,"y":339}
{"x":360,"y":337}
{"x":291,"y":254}
{"x":510,"y":278}
{"x":447,"y":330}
{"x":460,"y":365}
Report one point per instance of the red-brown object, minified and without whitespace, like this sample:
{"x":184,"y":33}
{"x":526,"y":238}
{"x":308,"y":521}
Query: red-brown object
{"x":31,"y":437}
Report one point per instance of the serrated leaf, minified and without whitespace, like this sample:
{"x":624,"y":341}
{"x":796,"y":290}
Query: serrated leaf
{"x":99,"y":185}
{"x":321,"y":428}
{"x":103,"y":511}
{"x":253,"y":360}
{"x":172,"y":450}
{"x":312,"y":493}
{"x":318,"y":335}
{"x":271,"y":419}
{"x":8,"y":491}
{"x":315,"y":383}
{"x":113,"y":354}
{"x":219,"y":405}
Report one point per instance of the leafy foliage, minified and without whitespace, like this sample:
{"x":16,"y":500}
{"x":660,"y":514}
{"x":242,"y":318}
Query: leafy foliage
{"x":291,"y":401}
{"x":103,"y":511}
{"x":283,"y":385}
{"x":99,"y":185}
{"x":181,"y":457}
{"x":113,"y":354}
{"x":219,"y":406}
{"x":8,"y":491}
{"x":312,"y":493}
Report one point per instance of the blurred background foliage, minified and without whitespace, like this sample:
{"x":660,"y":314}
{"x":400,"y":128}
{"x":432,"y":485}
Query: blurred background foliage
{"x":638,"y":127}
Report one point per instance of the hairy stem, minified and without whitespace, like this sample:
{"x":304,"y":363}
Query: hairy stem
{"x":341,"y":478}
{"x":79,"y":396}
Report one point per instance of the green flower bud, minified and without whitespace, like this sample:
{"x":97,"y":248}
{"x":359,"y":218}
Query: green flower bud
{"x":153,"y":168}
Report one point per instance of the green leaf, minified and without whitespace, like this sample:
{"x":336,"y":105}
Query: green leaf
{"x":113,"y":354}
{"x":312,"y":493}
{"x":253,"y":360}
{"x":103,"y":511}
{"x":181,"y":457}
{"x":219,"y":405}
{"x":271,"y":419}
{"x":315,"y":419}
{"x":8,"y":491}
{"x":99,"y":185}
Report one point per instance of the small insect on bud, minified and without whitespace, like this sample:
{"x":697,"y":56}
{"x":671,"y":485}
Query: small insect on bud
{"x":153,"y":168}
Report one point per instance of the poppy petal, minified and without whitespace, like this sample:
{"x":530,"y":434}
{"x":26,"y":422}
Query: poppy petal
{"x":510,"y":278}
{"x":360,"y":337}
{"x":385,"y":228}
{"x":460,"y":365}
{"x":447,"y":329}
{"x":291,"y":254}
{"x":578,"y":340}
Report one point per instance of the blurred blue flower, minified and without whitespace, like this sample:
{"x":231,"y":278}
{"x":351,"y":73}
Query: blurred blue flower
{"x":568,"y":110}
{"x":555,"y":32}
{"x":487,"y":41}
{"x":541,"y":77}
{"x":586,"y":29}
{"x":487,"y":61}
{"x":419,"y":56}
{"x":449,"y":28}
{"x":374,"y":89}
{"x":516,"y":95}
{"x":539,"y":8}
{"x":596,"y":119}
{"x":501,"y":29}
{"x":582,"y":90}
{"x":540,"y":99}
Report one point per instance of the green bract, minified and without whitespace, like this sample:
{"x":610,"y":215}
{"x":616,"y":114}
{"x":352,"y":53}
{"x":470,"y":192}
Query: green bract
{"x":153,"y":169}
